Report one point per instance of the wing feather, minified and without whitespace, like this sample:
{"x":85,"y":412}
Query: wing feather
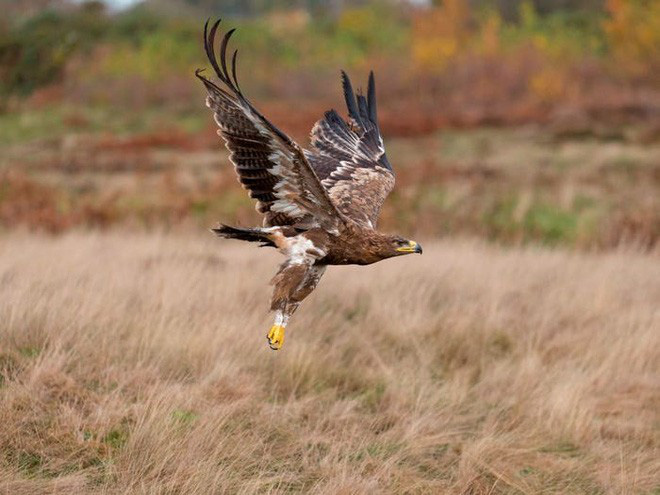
{"x":268,"y":163}
{"x":349,"y":157}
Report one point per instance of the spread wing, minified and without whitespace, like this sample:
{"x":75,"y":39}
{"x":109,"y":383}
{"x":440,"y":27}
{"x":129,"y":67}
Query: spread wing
{"x":349,"y":157}
{"x":268,"y":163}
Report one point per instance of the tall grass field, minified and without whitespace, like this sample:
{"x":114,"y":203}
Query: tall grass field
{"x":137,"y":363}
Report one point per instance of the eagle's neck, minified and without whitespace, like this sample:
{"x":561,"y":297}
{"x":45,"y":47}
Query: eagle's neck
{"x":366,"y":246}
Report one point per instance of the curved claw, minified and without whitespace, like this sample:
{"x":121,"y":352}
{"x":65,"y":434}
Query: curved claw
{"x":276,"y":337}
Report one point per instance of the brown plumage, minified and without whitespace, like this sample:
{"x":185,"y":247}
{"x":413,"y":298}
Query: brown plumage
{"x":321,"y":205}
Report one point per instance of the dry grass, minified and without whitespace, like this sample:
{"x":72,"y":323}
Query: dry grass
{"x":138,"y":364}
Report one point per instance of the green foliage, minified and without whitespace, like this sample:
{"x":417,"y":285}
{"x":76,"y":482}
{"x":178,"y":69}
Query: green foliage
{"x":35,"y":52}
{"x":184,"y":417}
{"x":29,"y":463}
{"x":564,"y":448}
{"x":543,"y":220}
{"x":141,"y":43}
{"x":550,"y":223}
{"x":370,"y":28}
{"x":25,"y":126}
{"x":116,"y":438}
{"x":500,"y":218}
{"x":559,"y":33}
{"x":157,"y":54}
{"x":29,"y":352}
{"x":134,"y":24}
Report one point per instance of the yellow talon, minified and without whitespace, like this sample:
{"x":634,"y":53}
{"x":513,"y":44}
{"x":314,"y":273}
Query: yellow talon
{"x":276,"y":337}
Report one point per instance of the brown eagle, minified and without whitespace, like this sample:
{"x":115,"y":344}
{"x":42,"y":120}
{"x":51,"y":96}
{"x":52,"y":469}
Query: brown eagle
{"x":321,"y":205}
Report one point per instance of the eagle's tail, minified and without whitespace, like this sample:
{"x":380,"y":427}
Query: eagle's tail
{"x":250,"y":235}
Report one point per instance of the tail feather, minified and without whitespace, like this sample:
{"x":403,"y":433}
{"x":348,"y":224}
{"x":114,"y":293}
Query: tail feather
{"x":243,"y":234}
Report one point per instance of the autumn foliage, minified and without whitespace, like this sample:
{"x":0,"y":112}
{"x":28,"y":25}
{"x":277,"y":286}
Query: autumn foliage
{"x":102,"y":122}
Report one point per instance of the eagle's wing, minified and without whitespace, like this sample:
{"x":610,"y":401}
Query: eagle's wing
{"x":349,"y":157}
{"x":269,"y":164}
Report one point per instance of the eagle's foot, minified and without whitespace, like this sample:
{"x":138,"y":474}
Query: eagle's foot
{"x":276,"y":337}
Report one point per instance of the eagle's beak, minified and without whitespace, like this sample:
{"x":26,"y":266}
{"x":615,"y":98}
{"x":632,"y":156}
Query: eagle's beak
{"x":412,"y":247}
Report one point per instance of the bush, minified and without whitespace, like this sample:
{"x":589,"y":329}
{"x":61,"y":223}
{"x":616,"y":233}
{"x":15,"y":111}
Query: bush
{"x":35,"y":52}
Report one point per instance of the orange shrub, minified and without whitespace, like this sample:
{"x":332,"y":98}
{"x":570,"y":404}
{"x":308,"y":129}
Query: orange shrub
{"x":438,"y":34}
{"x":633,"y":34}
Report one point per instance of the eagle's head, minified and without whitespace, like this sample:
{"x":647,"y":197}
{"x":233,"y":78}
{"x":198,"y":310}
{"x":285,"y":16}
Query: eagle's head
{"x":398,"y":246}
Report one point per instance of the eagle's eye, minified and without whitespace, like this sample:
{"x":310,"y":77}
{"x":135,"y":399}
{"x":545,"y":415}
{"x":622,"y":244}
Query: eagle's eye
{"x":406,"y":246}
{"x":397,"y":243}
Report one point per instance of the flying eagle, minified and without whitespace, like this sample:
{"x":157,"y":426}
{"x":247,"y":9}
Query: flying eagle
{"x":321,"y":205}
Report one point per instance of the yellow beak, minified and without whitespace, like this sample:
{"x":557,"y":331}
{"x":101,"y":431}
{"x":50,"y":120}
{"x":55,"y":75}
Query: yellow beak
{"x":412,"y":247}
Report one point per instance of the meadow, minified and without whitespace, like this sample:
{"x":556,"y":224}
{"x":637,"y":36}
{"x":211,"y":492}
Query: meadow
{"x":137,"y":363}
{"x":520,"y":354}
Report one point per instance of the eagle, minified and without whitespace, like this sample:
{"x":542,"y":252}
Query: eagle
{"x":320,"y":206}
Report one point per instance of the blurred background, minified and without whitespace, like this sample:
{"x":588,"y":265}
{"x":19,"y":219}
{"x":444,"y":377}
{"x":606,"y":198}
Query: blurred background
{"x":514,"y":121}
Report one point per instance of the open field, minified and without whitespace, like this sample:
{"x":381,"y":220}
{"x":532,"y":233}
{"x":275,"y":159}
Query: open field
{"x":519,"y":355}
{"x":137,"y":363}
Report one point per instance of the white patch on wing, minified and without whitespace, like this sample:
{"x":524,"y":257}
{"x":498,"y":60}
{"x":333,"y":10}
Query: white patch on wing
{"x":350,"y":143}
{"x":255,"y":120}
{"x":347,"y":142}
{"x":275,"y":156}
{"x":284,"y":186}
{"x":287,"y":207}
{"x":345,"y":168}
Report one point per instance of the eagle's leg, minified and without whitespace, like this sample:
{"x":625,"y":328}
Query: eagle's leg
{"x":293,"y":283}
{"x":276,"y":334}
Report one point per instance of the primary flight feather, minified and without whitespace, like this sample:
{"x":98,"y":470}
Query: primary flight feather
{"x":320,"y":205}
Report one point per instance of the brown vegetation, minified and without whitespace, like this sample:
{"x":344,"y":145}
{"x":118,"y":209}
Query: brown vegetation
{"x":509,"y":185}
{"x":137,"y":364}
